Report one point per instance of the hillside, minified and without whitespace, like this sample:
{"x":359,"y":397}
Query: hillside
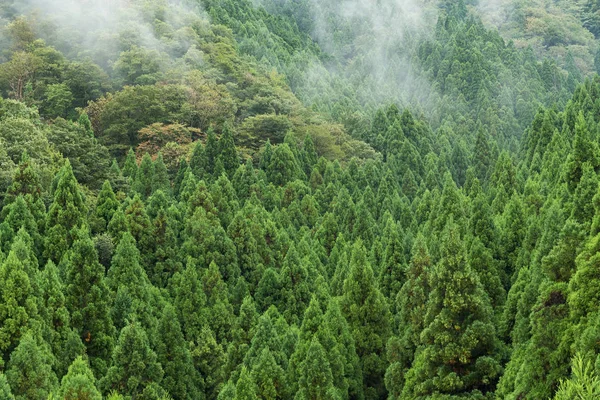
{"x":276,"y":199}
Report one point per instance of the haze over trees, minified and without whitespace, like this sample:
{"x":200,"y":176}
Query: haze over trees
{"x":234,"y":199}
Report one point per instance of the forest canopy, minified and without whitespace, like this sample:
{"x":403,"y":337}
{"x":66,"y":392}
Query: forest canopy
{"x":277,"y":199}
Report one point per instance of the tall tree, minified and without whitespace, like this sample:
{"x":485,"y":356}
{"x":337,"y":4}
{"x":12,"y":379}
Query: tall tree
{"x":368,"y":315}
{"x":458,"y":350}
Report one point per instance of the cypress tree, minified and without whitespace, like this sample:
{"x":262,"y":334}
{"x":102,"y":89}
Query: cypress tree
{"x":88,"y":301}
{"x":144,"y":177}
{"x":228,"y":151}
{"x":368,"y":315}
{"x":180,"y":379}
{"x":29,"y":370}
{"x":456,"y":355}
{"x":160,"y":178}
{"x":79,"y":383}
{"x":130,"y":167}
{"x":68,"y":211}
{"x":134,"y":368}
{"x":106,"y":206}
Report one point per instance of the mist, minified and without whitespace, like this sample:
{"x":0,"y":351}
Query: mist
{"x":377,"y":38}
{"x":102,"y":29}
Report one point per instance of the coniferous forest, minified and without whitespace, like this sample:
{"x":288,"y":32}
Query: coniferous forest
{"x":299,"y":199}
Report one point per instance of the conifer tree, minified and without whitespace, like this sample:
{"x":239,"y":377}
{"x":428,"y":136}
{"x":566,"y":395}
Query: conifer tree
{"x":180,"y":379}
{"x":367,"y":313}
{"x":127,"y":275}
{"x":283,"y":166}
{"x":134,"y":368}
{"x":25,"y":182}
{"x":211,"y":150}
{"x":130,"y":167}
{"x":269,"y":377}
{"x":412,"y":300}
{"x":29,"y":370}
{"x":160,"y":179}
{"x":5,"y":391}
{"x":198,"y":161}
{"x":106,"y":206}
{"x":228,"y":152}
{"x":79,"y":382}
{"x":65,"y":343}
{"x":245,"y":389}
{"x":456,"y":355}
{"x":67,"y":212}
{"x":88,"y":301}
{"x":316,"y":381}
{"x":144,"y":177}
{"x":19,"y":306}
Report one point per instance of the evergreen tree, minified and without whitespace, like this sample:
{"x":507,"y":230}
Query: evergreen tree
{"x":130,"y":167}
{"x":79,"y":382}
{"x":5,"y":391}
{"x":144,"y":177}
{"x":412,"y":300}
{"x":180,"y":379}
{"x":368,"y":315}
{"x":198,"y":161}
{"x":106,"y":206}
{"x":88,"y":301}
{"x":19,"y":306}
{"x":29,"y":370}
{"x":245,"y":389}
{"x":134,"y":368}
{"x":67,"y":212}
{"x":160,"y":178}
{"x":65,"y":343}
{"x":458,"y":349}
{"x":228,"y":152}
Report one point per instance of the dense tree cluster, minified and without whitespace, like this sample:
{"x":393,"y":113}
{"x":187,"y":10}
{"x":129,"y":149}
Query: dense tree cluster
{"x":184,"y":222}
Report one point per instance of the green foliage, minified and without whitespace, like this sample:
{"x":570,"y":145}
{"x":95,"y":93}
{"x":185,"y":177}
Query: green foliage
{"x":79,"y":382}
{"x":297,"y":199}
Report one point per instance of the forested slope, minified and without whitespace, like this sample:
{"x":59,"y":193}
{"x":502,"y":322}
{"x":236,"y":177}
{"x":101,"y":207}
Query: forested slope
{"x":294,"y":200}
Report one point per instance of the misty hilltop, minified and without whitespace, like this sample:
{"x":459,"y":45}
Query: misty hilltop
{"x":299,"y":199}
